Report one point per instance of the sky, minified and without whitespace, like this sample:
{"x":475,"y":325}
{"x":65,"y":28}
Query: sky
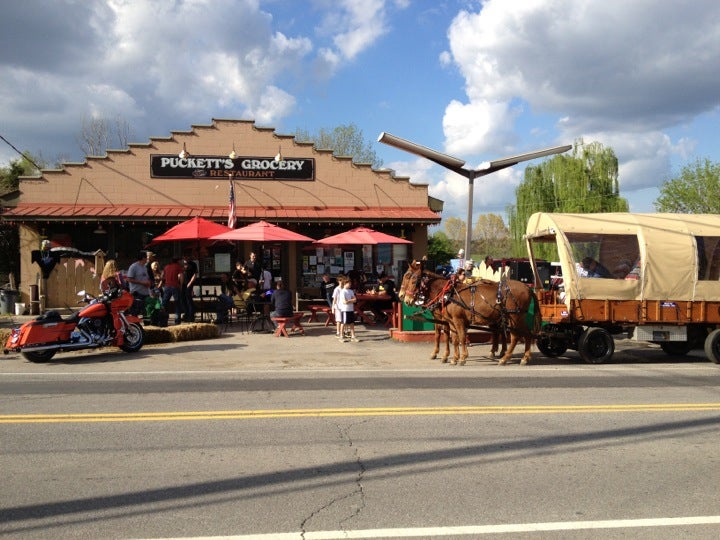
{"x":478,"y":80}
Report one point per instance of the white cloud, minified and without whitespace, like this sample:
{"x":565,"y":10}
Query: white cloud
{"x":622,"y":73}
{"x":478,"y":127}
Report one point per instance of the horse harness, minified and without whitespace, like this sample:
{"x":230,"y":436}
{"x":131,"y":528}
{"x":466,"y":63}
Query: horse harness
{"x":450,"y":293}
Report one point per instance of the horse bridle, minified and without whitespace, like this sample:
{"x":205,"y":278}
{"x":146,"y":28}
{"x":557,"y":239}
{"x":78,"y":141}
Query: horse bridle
{"x":418,"y":290}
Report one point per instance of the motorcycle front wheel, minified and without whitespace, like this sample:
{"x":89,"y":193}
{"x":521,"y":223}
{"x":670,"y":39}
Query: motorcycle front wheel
{"x":39,"y":356}
{"x":134,"y":338}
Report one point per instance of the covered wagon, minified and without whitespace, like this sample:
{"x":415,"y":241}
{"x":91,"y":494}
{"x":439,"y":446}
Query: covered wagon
{"x":650,"y":277}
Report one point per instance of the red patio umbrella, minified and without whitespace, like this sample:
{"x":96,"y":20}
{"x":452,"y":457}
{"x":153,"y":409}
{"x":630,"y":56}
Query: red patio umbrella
{"x":196,"y":228}
{"x":362,"y":235}
{"x":262,"y":231}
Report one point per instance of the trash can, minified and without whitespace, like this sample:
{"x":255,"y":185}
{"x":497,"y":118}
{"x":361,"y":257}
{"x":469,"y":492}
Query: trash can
{"x":19,"y":308}
{"x":7,"y":301}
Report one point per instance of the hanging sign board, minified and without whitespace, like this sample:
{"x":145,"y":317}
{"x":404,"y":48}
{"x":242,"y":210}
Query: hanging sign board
{"x":243,"y":168}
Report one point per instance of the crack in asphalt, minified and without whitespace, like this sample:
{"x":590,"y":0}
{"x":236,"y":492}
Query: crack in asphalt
{"x":359,"y":490}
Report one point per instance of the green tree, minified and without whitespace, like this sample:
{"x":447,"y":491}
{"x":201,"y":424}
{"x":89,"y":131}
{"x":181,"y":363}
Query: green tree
{"x":693,"y":192}
{"x":344,"y":140}
{"x":440,"y":248}
{"x":455,"y":231}
{"x":9,"y":239}
{"x":490,"y":237}
{"x":585,"y":182}
{"x":24,"y":166}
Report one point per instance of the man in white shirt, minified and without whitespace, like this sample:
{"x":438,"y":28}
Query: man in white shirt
{"x":266,"y":281}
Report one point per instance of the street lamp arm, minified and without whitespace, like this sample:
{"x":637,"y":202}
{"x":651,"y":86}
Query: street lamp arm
{"x":422,"y":151}
{"x":497,"y":164}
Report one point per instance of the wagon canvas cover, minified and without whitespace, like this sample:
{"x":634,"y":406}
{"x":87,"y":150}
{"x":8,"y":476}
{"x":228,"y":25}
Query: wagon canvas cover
{"x":678,"y":254}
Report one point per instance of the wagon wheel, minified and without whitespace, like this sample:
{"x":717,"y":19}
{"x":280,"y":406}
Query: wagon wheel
{"x":712,"y":346}
{"x":596,"y":346}
{"x":551,"y":347}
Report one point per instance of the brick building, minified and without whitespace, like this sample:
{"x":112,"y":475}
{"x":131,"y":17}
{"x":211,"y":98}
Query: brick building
{"x":119,"y":202}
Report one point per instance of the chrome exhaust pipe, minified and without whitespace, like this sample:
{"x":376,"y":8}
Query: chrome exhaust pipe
{"x":63,"y":347}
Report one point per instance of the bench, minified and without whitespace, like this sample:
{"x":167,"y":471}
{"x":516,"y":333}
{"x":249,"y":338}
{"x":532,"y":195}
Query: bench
{"x":321,"y":308}
{"x":282,"y":322}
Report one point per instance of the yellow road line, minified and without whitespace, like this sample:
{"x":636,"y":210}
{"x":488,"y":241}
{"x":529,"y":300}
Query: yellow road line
{"x":338,"y":412}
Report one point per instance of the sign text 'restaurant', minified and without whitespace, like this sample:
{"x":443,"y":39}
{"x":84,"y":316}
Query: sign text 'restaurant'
{"x":213,"y":167}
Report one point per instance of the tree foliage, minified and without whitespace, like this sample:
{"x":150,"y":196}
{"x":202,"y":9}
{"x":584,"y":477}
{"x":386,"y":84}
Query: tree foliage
{"x":490,"y":236}
{"x":440,"y":248}
{"x":455,"y":231}
{"x":695,"y":191}
{"x":585,"y":182}
{"x":9,"y":239}
{"x":344,"y":140}
{"x":24,"y":166}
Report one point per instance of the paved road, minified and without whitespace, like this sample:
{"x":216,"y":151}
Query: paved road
{"x":250,"y":434}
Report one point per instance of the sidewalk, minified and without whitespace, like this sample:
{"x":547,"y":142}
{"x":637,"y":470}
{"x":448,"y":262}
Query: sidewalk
{"x":318,"y":349}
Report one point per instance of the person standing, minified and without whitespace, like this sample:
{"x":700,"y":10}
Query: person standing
{"x":171,"y":278}
{"x":109,"y":278}
{"x":347,"y":300}
{"x":335,"y":305}
{"x":151,"y":269}
{"x":328,"y":286}
{"x":109,"y":285}
{"x":189,"y":277}
{"x":253,"y":267}
{"x":266,"y":280}
{"x":140,"y":283}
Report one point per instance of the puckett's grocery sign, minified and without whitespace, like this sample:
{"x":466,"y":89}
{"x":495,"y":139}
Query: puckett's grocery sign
{"x":249,"y":168}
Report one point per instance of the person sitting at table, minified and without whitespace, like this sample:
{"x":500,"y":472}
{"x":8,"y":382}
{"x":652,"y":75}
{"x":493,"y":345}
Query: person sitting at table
{"x":225,"y":298}
{"x":240,"y":276}
{"x":281,"y":302}
{"x":386,"y":286}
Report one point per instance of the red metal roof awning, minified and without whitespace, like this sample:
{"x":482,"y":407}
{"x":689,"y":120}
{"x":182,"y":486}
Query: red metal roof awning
{"x":304,"y":214}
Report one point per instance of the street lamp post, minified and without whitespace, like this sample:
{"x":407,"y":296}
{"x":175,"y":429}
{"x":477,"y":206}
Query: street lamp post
{"x":456,"y":165}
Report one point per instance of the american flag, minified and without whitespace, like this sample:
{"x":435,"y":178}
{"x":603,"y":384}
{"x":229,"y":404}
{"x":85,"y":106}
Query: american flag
{"x":231,"y":207}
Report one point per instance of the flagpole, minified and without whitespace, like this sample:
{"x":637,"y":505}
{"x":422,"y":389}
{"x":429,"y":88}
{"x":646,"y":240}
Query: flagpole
{"x":231,"y":205}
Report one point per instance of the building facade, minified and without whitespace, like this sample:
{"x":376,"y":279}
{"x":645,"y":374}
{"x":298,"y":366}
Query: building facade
{"x":116,"y":204}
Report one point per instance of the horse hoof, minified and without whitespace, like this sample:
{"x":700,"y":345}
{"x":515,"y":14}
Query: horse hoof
{"x":444,"y":360}
{"x":502,"y":362}
{"x":523,"y":362}
{"x":461,"y":363}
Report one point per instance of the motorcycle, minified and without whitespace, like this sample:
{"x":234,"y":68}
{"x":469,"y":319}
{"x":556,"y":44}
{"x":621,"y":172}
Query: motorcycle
{"x":89,"y":328}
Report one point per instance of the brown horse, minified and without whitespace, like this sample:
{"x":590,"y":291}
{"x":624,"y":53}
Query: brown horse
{"x":508,"y":306}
